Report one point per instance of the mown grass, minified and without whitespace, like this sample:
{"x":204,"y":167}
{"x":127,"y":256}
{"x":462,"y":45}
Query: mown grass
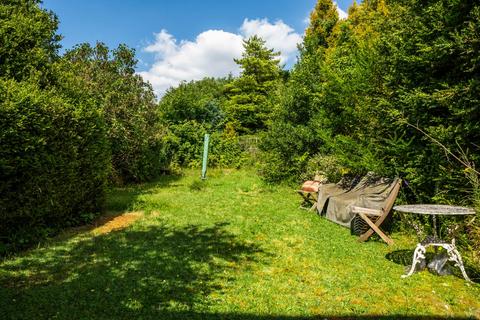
{"x":229,"y":247}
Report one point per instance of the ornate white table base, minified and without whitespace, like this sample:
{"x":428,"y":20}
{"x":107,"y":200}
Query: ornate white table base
{"x":452,"y":252}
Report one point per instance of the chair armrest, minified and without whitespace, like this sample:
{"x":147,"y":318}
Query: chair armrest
{"x":370,"y":212}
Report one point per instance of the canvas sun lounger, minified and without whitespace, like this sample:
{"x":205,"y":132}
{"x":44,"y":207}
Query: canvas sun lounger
{"x":370,"y":200}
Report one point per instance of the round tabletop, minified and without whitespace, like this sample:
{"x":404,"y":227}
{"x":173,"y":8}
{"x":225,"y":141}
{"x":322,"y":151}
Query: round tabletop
{"x":435,"y":209}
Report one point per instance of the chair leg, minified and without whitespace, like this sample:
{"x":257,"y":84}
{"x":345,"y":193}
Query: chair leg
{"x":314,"y":199}
{"x":370,"y":232}
{"x":309,"y":198}
{"x":304,"y":198}
{"x":374,"y":228}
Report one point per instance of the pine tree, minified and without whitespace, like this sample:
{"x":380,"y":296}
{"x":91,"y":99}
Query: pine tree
{"x":248,"y":106}
{"x":322,"y":20}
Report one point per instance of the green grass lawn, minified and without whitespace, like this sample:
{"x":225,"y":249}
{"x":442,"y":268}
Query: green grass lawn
{"x":230,"y":247}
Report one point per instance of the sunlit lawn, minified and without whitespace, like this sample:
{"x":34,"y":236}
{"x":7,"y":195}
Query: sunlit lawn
{"x":229,"y":247}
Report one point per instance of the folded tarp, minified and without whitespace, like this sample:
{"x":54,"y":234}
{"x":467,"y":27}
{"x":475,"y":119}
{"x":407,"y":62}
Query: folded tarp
{"x":336,"y":201}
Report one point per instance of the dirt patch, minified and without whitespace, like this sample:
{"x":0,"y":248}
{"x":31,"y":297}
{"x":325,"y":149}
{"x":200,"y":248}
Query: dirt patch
{"x":117,"y":223}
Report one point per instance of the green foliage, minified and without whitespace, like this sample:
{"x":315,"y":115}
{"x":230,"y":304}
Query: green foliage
{"x":66,"y":124}
{"x":293,"y":136}
{"x":436,"y":79}
{"x":201,"y":101}
{"x":286,"y":151}
{"x":249,"y":106}
{"x":54,"y":163}
{"x":135,"y":135}
{"x":322,"y":20}
{"x":186,"y":143}
{"x":226,"y":150}
{"x":28,"y":40}
{"x":193,"y":109}
{"x":387,"y":70}
{"x":473,"y":229}
{"x":185,"y":146}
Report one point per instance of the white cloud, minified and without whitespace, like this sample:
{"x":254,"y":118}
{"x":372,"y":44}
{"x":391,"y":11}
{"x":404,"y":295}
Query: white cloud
{"x":211,"y":54}
{"x":278,"y":36}
{"x":164,"y":44}
{"x":341,"y":14}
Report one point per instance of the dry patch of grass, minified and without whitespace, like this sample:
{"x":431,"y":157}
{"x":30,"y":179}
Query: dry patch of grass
{"x":117,"y":223}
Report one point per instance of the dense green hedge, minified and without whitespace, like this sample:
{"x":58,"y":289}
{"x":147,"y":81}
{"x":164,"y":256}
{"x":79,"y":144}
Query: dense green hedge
{"x":193,"y":109}
{"x":68,"y":124}
{"x":107,"y":78}
{"x":54,"y":163}
{"x":185,"y":146}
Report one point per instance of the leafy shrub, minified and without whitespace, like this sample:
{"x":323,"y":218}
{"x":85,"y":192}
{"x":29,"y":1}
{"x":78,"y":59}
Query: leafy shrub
{"x":186,"y":143}
{"x":185,"y":146}
{"x":193,"y":109}
{"x":135,"y":135}
{"x":226,"y":150}
{"x":54,"y":163}
{"x":200,"y":101}
{"x":28,"y":40}
{"x":286,"y":150}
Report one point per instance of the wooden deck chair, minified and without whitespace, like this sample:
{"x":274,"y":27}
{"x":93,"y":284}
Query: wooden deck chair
{"x":374,"y":218}
{"x":309,"y":199}
{"x":309,"y":193}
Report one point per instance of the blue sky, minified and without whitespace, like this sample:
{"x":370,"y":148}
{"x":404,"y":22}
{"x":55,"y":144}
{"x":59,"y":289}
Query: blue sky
{"x":184,"y":40}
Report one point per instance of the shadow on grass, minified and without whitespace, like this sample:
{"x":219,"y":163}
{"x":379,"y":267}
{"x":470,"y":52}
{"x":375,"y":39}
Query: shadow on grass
{"x":157,"y":273}
{"x":404,"y":257}
{"x":246,"y":316}
{"x":120,"y":200}
{"x":123,"y":274}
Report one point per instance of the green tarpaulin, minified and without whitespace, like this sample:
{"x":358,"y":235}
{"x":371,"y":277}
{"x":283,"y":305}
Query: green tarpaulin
{"x":335,"y":200}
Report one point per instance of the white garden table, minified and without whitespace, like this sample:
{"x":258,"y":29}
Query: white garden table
{"x":434,"y":240}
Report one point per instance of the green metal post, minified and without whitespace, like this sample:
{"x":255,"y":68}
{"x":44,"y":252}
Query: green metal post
{"x":205,"y":156}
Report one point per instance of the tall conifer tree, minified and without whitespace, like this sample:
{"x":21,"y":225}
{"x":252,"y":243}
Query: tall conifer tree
{"x":248,"y":106}
{"x":322,"y":20}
